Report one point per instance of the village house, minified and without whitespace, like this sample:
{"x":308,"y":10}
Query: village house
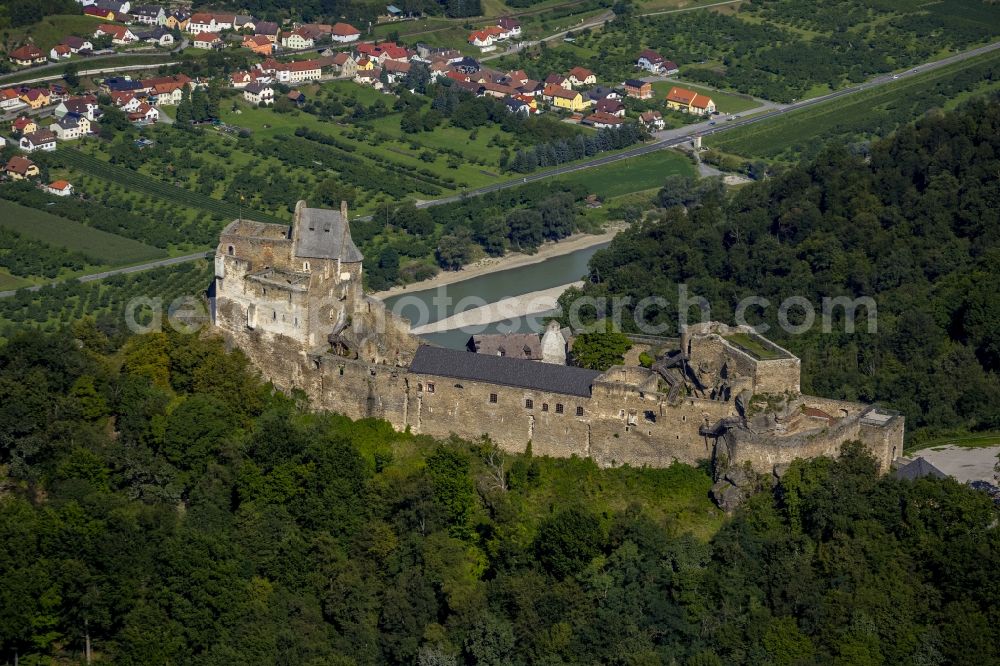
{"x":370,"y":77}
{"x":639,"y":89}
{"x":36,"y":98}
{"x":558,"y":80}
{"x":20,"y":167}
{"x":86,"y":107}
{"x":688,"y":101}
{"x":565,"y":99}
{"x":178,"y":20}
{"x":120,"y":34}
{"x":145,"y":115}
{"x":297,"y":39}
{"x":9,"y":99}
{"x":158,"y":36}
{"x":258,"y":93}
{"x":118,"y":8}
{"x":168,"y":90}
{"x":206,"y":40}
{"x":149,"y":15}
{"x":653,"y":120}
{"x":97,"y":12}
{"x":612,"y":107}
{"x":23,"y":125}
{"x":602,"y":120}
{"x":579,"y":76}
{"x":38,"y":140}
{"x":651,"y":61}
{"x":259,"y":44}
{"x":204,"y":22}
{"x":344,"y":33}
{"x":599,"y":93}
{"x":344,"y":64}
{"x":60,"y":188}
{"x":78,"y":44}
{"x":126,"y":101}
{"x":59,"y":52}
{"x":29,"y":54}
{"x":517,"y":105}
{"x":395,"y":70}
{"x":486,"y":38}
{"x":70,"y":128}
{"x":301,"y":70}
{"x":268,"y":30}
{"x":510,"y":25}
{"x":240,"y":79}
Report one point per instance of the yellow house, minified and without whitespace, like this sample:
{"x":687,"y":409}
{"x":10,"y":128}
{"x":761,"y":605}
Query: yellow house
{"x":179,"y":22}
{"x":365,"y":65}
{"x":568,"y":99}
{"x":688,"y":101}
{"x":36,"y":98}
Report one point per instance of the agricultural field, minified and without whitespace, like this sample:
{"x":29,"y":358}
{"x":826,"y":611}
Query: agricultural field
{"x":103,"y":248}
{"x":57,"y":305}
{"x":8,"y":281}
{"x":634,"y":174}
{"x":861,"y":117}
{"x":725,"y":102}
{"x":779,"y":51}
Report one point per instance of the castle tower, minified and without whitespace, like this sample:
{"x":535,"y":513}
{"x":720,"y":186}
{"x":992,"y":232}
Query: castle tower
{"x":553,"y":344}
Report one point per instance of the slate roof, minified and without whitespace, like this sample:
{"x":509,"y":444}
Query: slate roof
{"x":503,"y":370}
{"x":321,"y":233}
{"x":917,"y":469}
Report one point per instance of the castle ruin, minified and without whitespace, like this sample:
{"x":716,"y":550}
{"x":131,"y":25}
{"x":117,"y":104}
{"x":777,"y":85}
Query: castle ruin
{"x":291,"y":298}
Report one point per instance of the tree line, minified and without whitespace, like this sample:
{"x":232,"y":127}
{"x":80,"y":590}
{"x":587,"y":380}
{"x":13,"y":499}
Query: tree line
{"x":161,"y":505}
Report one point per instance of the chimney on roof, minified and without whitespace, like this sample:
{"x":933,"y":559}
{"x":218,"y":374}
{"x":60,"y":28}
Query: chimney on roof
{"x":343,"y":210}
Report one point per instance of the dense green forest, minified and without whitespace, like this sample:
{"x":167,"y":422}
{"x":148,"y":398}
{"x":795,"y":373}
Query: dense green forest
{"x":915,"y":226}
{"x":159,"y":501}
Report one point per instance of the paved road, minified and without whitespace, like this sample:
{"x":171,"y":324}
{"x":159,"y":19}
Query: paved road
{"x":122,"y":271}
{"x":89,"y":59}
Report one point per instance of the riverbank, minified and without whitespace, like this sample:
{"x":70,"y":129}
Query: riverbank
{"x":507,"y":309}
{"x":512,"y":260}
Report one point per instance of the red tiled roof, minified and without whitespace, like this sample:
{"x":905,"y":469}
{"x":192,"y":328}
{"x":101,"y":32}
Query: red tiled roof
{"x":344,"y":30}
{"x":19,"y":164}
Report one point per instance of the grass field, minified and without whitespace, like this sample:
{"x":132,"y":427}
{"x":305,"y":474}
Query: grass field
{"x":8,"y":281}
{"x":725,"y":102}
{"x":857,"y":114}
{"x":633,"y":174}
{"x":974,"y":441}
{"x":103,"y":247}
{"x":53,"y":29}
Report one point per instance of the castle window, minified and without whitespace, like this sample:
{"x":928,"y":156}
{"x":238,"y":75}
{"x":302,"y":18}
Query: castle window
{"x":559,"y":408}
{"x":316,"y":364}
{"x":649,"y":416}
{"x":545,"y":406}
{"x":231,"y":250}
{"x":274,"y":316}
{"x":458,"y":386}
{"x":305,"y":265}
{"x":251,"y":316}
{"x":529,"y":403}
{"x":579,"y":411}
{"x":430,"y":387}
{"x":493,"y":398}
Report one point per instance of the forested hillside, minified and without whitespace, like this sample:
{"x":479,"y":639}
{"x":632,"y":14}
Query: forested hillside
{"x":158,"y":500}
{"x":916,"y":227}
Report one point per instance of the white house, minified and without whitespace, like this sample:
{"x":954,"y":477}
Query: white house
{"x":206,"y":40}
{"x":202,"y":22}
{"x":59,"y":52}
{"x":60,"y":188}
{"x":38,"y":140}
{"x":344,"y":33}
{"x":302,"y":70}
{"x":255,"y":93}
{"x":150,"y":14}
{"x":86,"y":107}
{"x":70,"y":128}
{"x":297,"y":39}
{"x":77,"y":44}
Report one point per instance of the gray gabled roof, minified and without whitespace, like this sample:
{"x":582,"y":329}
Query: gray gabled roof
{"x":324,"y":234}
{"x":917,"y":469}
{"x":503,"y":370}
